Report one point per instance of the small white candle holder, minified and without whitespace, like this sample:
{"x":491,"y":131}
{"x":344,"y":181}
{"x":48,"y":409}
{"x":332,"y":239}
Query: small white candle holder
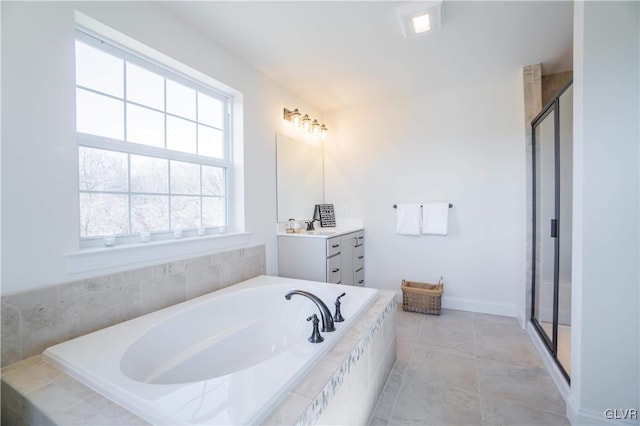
{"x":222,"y":229}
{"x":201,"y":231}
{"x":177,"y":233}
{"x":145,"y":236}
{"x":109,"y":241}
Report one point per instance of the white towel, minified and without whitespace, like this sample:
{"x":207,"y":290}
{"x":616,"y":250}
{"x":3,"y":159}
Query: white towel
{"x":408,"y":219}
{"x":435,"y":218}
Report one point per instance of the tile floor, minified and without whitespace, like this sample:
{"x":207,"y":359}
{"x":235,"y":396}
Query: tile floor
{"x":462,"y":368}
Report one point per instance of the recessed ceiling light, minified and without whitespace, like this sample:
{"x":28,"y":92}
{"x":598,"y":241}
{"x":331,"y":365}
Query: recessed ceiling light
{"x":421,"y":23}
{"x":420,"y":17}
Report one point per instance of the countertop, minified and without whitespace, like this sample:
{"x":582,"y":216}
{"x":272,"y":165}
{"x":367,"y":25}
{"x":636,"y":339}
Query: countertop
{"x":322,"y":232}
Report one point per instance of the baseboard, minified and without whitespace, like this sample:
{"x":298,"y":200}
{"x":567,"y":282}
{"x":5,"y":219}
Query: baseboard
{"x":521,"y":319}
{"x":581,"y":417}
{"x":478,"y":306}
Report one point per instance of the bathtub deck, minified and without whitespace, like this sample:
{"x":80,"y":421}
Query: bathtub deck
{"x":33,"y":392}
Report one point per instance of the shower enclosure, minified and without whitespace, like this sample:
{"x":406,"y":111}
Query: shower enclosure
{"x":552,"y":221}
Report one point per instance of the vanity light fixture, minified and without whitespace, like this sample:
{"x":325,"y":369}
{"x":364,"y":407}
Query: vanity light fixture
{"x":315,"y":127}
{"x":420,"y":17}
{"x":323,"y":132}
{"x":305,"y":123}
{"x":295,"y":117}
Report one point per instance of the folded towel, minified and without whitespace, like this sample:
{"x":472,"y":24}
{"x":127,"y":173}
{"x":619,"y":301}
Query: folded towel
{"x":435,"y":218}
{"x":408,"y":219}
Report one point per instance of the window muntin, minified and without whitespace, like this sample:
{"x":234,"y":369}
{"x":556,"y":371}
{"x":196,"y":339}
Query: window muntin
{"x":153,"y":145}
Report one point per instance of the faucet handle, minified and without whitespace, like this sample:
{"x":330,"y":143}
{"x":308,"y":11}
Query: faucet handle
{"x":315,"y":337}
{"x":337,"y":317}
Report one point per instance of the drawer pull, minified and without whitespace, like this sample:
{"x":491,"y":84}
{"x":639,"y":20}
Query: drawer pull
{"x":360,"y":257}
{"x":361,"y":238}
{"x":335,"y":270}
{"x":335,"y":246}
{"x":360,"y":281}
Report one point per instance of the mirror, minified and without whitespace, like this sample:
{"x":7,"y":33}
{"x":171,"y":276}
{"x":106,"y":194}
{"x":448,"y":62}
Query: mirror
{"x":299,"y":176}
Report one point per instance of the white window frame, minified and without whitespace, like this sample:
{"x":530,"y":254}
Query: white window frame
{"x":92,"y":141}
{"x":89,"y":261}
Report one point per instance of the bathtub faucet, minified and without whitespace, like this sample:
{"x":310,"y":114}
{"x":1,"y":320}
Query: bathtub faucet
{"x":327,"y":319}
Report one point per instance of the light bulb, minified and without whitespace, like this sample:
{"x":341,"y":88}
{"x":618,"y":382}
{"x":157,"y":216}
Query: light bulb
{"x":421,"y":23}
{"x":323,"y":131}
{"x":306,"y":122}
{"x":315,"y":127}
{"x":295,"y":117}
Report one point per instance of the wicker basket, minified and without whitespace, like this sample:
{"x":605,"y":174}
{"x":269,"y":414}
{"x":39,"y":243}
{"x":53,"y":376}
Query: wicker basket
{"x":422,"y":297}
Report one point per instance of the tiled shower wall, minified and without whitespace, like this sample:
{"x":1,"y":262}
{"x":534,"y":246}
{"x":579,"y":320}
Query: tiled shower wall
{"x":36,"y":319}
{"x":552,"y":83}
{"x":532,"y":79}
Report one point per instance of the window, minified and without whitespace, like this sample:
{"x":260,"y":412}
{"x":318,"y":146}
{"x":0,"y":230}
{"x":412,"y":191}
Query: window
{"x":154,"y":145}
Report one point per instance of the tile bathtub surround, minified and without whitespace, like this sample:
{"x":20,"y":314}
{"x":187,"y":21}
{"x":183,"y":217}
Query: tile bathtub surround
{"x":342,"y":388}
{"x":467,"y":368}
{"x":35,"y":393}
{"x":36,"y":319}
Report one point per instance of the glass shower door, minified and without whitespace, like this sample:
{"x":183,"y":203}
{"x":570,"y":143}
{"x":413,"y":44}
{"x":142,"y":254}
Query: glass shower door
{"x":545,"y":225}
{"x":552,"y":226}
{"x":565,"y":150}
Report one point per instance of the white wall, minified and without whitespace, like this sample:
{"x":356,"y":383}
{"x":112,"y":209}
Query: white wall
{"x":39,"y":166}
{"x":606,"y":315}
{"x":464,"y":146}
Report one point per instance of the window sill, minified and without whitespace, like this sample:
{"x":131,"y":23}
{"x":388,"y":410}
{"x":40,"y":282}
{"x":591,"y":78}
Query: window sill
{"x":142,"y":254}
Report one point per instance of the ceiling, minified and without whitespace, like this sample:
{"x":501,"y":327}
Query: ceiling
{"x":337,"y":54}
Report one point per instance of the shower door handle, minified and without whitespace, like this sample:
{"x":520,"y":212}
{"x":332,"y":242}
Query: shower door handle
{"x":554,"y":228}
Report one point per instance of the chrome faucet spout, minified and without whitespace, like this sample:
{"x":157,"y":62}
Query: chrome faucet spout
{"x":327,"y":319}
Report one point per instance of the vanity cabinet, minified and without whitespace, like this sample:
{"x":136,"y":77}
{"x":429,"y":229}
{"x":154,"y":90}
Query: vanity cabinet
{"x":352,"y":258}
{"x":338,"y":259}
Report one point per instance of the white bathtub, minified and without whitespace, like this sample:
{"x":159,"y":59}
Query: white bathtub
{"x":224,"y":358}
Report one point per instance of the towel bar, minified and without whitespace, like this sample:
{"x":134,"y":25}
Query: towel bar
{"x":395,"y":206}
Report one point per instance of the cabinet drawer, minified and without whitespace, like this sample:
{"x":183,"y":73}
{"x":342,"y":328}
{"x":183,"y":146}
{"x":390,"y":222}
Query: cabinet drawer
{"x":359,"y":257}
{"x":359,"y":278}
{"x":334,"y":274}
{"x":359,"y":236}
{"x":333,"y":246}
